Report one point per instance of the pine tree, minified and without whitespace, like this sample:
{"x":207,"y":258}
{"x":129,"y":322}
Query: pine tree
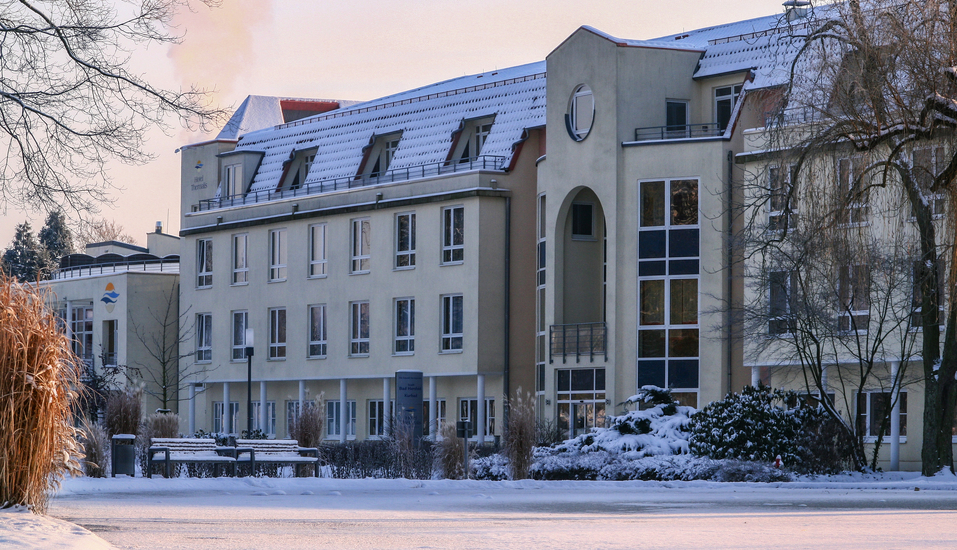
{"x":24,"y":259}
{"x":55,"y":236}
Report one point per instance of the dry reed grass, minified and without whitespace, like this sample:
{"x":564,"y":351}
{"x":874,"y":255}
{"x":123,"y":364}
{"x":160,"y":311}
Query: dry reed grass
{"x":449,"y":457}
{"x":520,"y":434}
{"x":124,"y":408}
{"x":96,"y":447}
{"x":38,"y":381}
{"x":308,"y":428}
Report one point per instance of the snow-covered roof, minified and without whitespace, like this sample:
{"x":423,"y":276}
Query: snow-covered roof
{"x":427,"y":117}
{"x":258,"y":111}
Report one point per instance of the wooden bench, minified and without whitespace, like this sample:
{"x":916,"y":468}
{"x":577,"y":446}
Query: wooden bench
{"x":275,"y":451}
{"x":189,"y":451}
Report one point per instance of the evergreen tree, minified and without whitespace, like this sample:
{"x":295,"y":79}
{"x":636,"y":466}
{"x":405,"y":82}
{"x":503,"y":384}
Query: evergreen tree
{"x":56,"y":237}
{"x":24,"y":259}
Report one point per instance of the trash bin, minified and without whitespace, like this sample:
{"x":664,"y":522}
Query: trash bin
{"x":123,"y":454}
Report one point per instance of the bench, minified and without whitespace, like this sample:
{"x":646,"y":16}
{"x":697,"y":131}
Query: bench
{"x":189,"y":451}
{"x":275,"y":451}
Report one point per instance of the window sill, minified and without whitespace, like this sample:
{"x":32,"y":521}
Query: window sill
{"x":885,"y":440}
{"x":239,"y":284}
{"x":403,"y":353}
{"x":313,"y":357}
{"x":444,"y":264}
{"x":271,"y":281}
{"x":450,"y":351}
{"x":358,"y":356}
{"x":275,"y":359}
{"x":587,"y":238}
{"x":204,"y":362}
{"x":204,"y":287}
{"x":404,"y":268}
{"x":323,"y":276}
{"x":366,"y":272}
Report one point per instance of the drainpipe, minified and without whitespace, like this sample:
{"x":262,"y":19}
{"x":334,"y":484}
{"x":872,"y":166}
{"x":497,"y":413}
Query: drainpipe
{"x":728,"y":315}
{"x":508,"y":242}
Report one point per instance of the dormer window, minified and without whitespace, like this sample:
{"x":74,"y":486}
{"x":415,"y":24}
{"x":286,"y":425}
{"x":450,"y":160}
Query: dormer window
{"x":233,"y":179}
{"x":299,"y":164}
{"x":379,"y":155}
{"x":470,"y":139}
{"x":725,"y":98}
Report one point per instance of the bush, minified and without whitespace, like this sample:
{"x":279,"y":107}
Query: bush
{"x":96,"y":447}
{"x":376,"y":458}
{"x":449,"y":460}
{"x":520,"y":434}
{"x":308,"y":427}
{"x":38,"y":373}
{"x":123,"y":412}
{"x":155,"y":425}
{"x":757,"y":425}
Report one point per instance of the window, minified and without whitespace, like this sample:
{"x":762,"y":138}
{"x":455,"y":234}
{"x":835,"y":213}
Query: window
{"x":540,"y":328}
{"x":405,"y":240}
{"x":852,"y":191}
{"x":468,"y":412}
{"x":108,"y":353}
{"x":361,"y":245}
{"x":453,"y":235}
{"x":580,"y":396}
{"x":292,"y":413}
{"x":317,"y":250}
{"x":472,"y":139}
{"x":404,"y":326}
{"x":725,"y":98}
{"x":377,"y":418}
{"x":452,"y":323}
{"x":317,"y":330}
{"x":381,"y":154}
{"x":676,"y":119}
{"x":439,"y":416}
{"x":928,"y":163}
{"x":781,"y":205}
{"x":854,"y":285}
{"x":240,"y":261}
{"x":270,"y":428}
{"x":277,"y":333}
{"x":581,"y":113}
{"x":920,"y":276}
{"x":218,"y":425}
{"x":333,"y":422}
{"x":873,"y":413}
{"x":277,"y":255}
{"x":359,"y":333}
{"x":81,"y":328}
{"x":234,"y":181}
{"x":781,"y":302}
{"x":583,"y":221}
{"x":204,"y":263}
{"x":240,"y":323}
{"x":204,"y":337}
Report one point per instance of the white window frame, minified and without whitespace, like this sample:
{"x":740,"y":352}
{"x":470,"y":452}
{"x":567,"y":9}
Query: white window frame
{"x":405,"y":252}
{"x":453,"y":253}
{"x":406,"y":340}
{"x":204,"y":337}
{"x":848,"y":278}
{"x":277,"y":334}
{"x":868,"y":415}
{"x":376,"y":411}
{"x":240,"y":259}
{"x":234,"y":184}
{"x":440,"y":416}
{"x":733,"y":97}
{"x":938,"y":161}
{"x":218,"y":417}
{"x":238,"y":335}
{"x":292,"y":413}
{"x":360,"y":249}
{"x":334,"y":423}
{"x":359,"y":341}
{"x":449,"y":336}
{"x":317,"y":255}
{"x":779,"y":187}
{"x":582,"y":99}
{"x":465,"y":414}
{"x":204,"y":263}
{"x":788,"y":316}
{"x":858,"y":212}
{"x":278,"y":249}
{"x":271,"y":417}
{"x":318,"y":339}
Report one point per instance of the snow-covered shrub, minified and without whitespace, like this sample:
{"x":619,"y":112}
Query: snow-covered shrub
{"x":740,"y":470}
{"x":758,"y":425}
{"x":494,"y":467}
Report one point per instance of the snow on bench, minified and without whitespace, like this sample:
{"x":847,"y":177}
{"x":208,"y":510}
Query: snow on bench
{"x":275,"y":451}
{"x":188,"y":451}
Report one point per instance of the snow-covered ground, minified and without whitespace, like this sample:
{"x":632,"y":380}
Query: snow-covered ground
{"x":886,"y":510}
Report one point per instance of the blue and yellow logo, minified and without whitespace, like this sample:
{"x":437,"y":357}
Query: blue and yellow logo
{"x":199,"y":165}
{"x":110,"y":297}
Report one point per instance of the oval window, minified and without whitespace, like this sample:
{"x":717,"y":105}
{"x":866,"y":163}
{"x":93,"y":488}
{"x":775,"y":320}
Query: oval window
{"x":581,"y":112}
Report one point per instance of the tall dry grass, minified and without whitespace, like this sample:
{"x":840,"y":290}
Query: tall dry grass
{"x":520,"y":434}
{"x":124,"y":408}
{"x":38,"y":381}
{"x":448,"y":453}
{"x":309,"y":427}
{"x":96,"y":447}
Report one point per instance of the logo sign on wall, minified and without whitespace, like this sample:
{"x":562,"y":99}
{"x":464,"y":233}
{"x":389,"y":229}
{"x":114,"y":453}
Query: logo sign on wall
{"x":110,"y":297}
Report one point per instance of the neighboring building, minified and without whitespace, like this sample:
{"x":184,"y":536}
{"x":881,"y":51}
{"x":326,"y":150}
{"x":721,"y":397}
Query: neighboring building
{"x":113,"y":300}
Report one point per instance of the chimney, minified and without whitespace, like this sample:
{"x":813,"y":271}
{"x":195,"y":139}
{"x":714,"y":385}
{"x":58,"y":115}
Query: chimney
{"x":159,"y":227}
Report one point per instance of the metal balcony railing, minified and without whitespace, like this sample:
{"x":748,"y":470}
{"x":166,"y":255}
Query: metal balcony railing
{"x":165,"y":265}
{"x":685,"y":131}
{"x":484,"y":162}
{"x":580,"y":340}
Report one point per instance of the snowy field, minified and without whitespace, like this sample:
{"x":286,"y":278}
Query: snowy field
{"x":852,"y":511}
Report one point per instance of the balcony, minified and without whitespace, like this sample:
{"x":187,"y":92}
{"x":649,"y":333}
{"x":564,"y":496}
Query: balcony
{"x":141,"y":263}
{"x":578,"y":340}
{"x":485,"y":162}
{"x":687,"y":131}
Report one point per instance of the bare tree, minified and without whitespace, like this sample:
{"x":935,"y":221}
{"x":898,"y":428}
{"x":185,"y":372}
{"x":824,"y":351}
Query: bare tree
{"x":161,"y":339}
{"x":69,"y":103}
{"x":875,"y":82}
{"x":101,"y":230}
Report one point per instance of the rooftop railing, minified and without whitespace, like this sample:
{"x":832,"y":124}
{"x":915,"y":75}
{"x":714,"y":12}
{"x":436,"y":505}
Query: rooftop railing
{"x":685,"y":131}
{"x":580,"y":340}
{"x":484,"y":162}
{"x":159,"y":265}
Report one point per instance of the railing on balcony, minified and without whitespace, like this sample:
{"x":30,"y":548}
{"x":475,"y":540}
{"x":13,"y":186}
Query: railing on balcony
{"x":484,"y":162}
{"x":164,"y":265}
{"x":580,"y":340}
{"x":685,"y":131}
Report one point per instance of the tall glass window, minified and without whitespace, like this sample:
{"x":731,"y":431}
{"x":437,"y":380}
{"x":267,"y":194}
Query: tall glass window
{"x":453,"y":235}
{"x":404,"y":326}
{"x":277,"y":255}
{"x":317,"y":330}
{"x":359,"y":330}
{"x":405,"y":240}
{"x":240,"y":323}
{"x":277,"y":333}
{"x":317,"y":250}
{"x":204,"y":337}
{"x":240,"y":260}
{"x":452,"y":323}
{"x":204,"y":263}
{"x":361,"y":245}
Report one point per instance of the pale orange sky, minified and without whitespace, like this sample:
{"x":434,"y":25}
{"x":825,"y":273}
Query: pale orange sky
{"x":359,"y":50}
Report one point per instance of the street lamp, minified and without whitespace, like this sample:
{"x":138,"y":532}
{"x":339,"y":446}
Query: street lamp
{"x":249,"y":382}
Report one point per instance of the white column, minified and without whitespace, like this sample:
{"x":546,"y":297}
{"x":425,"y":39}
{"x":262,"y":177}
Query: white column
{"x":386,"y":400}
{"x":343,"y":411}
{"x":755,"y":376}
{"x":480,"y":409}
{"x":824,"y":380}
{"x":302,"y":396}
{"x":433,"y":408}
{"x":192,"y":409}
{"x":263,"y":413}
{"x":895,"y":418}
{"x":227,"y":410}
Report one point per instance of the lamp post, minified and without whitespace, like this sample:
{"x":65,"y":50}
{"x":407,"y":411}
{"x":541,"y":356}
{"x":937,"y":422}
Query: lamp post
{"x":249,"y":382}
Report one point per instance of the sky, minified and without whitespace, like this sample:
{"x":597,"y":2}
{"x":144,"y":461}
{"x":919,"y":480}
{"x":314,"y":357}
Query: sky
{"x":355,"y":50}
